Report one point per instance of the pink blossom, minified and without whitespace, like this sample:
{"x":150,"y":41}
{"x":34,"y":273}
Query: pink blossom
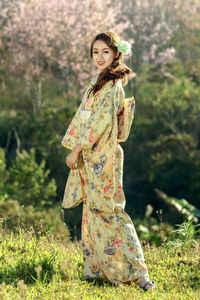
{"x":40,"y":34}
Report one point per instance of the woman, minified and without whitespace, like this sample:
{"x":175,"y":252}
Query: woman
{"x":111,"y":248}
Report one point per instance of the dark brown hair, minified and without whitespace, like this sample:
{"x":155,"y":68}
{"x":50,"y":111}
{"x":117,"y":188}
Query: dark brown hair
{"x":117,"y":70}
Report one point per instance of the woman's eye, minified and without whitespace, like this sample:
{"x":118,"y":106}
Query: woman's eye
{"x":95,"y":52}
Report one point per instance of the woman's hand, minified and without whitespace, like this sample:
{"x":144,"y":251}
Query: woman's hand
{"x":72,"y":158}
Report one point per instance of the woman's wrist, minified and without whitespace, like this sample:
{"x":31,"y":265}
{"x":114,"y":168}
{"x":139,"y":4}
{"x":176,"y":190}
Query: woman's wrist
{"x":78,"y":148}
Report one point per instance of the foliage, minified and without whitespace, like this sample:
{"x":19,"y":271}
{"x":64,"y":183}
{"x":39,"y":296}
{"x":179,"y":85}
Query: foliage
{"x":15,"y":217}
{"x":184,"y":236}
{"x":28,"y":180}
{"x":22,"y":129}
{"x":4,"y":174}
{"x":44,"y":67}
{"x":163,"y":148}
{"x":187,"y":37}
{"x":55,"y":40}
{"x":182,"y":206}
{"x":152,"y":25}
{"x":175,"y":155}
{"x":45,"y":268}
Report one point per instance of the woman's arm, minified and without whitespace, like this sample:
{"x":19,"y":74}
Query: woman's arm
{"x":99,"y":121}
{"x":78,"y":148}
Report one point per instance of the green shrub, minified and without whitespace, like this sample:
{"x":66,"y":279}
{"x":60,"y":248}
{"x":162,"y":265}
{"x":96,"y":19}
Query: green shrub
{"x":26,"y":180}
{"x":15,"y":217}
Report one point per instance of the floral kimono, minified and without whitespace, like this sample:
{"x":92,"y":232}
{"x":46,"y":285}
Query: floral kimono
{"x":111,"y":248}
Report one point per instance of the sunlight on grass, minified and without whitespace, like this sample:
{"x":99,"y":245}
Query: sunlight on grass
{"x":45,"y":267}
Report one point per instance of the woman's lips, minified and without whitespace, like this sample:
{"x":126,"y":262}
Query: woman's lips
{"x":100,"y":63}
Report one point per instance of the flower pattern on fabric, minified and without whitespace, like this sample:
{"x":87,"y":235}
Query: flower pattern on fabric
{"x":111,"y":248}
{"x":98,"y":168}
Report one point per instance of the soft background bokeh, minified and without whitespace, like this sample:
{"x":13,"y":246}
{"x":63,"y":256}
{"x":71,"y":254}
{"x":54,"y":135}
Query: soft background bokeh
{"x":44,"y":69}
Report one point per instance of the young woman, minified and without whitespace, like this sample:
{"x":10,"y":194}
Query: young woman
{"x":111,"y":248}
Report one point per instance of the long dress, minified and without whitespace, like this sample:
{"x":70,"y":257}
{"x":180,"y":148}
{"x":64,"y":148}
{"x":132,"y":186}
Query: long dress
{"x":111,"y":247}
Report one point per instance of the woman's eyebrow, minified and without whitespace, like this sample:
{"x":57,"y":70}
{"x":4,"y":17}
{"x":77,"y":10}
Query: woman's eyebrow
{"x":98,"y":49}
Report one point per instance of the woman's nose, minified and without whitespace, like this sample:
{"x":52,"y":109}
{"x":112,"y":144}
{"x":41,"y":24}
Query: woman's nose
{"x":100,"y":55}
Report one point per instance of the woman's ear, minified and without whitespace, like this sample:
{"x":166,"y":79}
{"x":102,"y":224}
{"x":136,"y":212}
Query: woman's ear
{"x":117,"y":54}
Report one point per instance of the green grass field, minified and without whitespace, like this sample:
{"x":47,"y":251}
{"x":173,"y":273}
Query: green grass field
{"x":51,"y":267}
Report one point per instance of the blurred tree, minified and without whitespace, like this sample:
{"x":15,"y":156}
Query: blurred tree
{"x":176,"y":151}
{"x":187,"y":38}
{"x":4,"y":176}
{"x":44,"y":38}
{"x":28,"y":181}
{"x":153,"y":23}
{"x":45,"y":66}
{"x":164,"y":146}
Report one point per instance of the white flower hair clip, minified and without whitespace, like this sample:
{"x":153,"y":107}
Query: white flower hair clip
{"x":124,"y":47}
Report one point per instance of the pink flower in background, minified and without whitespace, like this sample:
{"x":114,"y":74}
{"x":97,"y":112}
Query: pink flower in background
{"x":55,"y":35}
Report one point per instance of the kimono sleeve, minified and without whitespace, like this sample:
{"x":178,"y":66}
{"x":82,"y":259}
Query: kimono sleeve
{"x":71,"y":135}
{"x":125,"y":115}
{"x":120,"y":96}
{"x":100,"y":121}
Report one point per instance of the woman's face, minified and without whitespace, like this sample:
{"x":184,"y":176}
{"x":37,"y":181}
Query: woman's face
{"x":102,"y":55}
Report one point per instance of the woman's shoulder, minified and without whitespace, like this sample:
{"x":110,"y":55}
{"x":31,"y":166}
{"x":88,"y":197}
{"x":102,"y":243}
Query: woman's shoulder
{"x":117,"y":86}
{"x":111,"y":88}
{"x":110,"y":84}
{"x":117,"y":83}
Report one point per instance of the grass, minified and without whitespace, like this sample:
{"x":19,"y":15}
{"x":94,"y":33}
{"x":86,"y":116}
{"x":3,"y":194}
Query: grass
{"x":51,"y":267}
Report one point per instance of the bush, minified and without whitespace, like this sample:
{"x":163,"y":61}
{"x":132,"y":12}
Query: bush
{"x":16,"y":217}
{"x":27,"y":180}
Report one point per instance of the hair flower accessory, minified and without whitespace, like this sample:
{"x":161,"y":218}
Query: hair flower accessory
{"x":124,"y":47}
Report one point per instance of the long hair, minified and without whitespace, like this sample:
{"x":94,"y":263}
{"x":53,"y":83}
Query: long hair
{"x":117,"y":70}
